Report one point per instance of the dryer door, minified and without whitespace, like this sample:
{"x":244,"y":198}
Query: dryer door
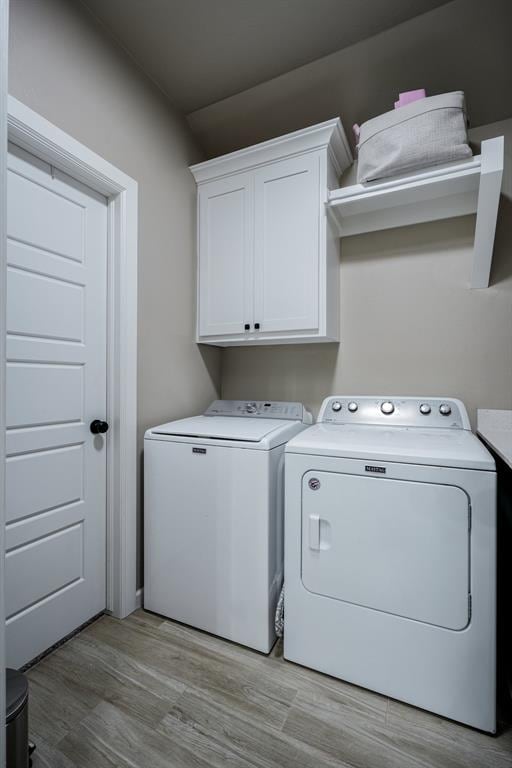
{"x":390,"y":545}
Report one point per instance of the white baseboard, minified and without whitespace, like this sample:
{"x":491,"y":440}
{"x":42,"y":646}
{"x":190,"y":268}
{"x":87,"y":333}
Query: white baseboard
{"x":139,"y":595}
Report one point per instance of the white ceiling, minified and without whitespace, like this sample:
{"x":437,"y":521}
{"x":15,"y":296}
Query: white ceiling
{"x":201,"y":51}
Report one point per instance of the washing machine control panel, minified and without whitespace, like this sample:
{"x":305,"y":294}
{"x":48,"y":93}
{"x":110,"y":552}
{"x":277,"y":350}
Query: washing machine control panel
{"x":395,"y":411}
{"x":259,"y":409}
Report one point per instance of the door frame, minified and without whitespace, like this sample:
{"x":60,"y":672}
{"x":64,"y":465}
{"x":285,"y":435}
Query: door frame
{"x":4,"y":46}
{"x":38,"y":136}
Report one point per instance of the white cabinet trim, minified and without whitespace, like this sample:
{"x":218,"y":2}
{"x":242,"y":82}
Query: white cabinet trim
{"x":329,"y":134}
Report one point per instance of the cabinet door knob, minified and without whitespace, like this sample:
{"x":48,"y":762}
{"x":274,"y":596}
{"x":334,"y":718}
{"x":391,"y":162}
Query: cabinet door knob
{"x":247,"y":327}
{"x":256,"y":326}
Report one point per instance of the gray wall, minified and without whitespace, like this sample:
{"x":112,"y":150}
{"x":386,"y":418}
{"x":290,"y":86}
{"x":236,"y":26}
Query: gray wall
{"x":462,"y":45}
{"x":63,"y":66}
{"x":410,"y":325}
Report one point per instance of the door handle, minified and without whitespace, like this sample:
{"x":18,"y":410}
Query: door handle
{"x":314,"y":532}
{"x":98,"y":427}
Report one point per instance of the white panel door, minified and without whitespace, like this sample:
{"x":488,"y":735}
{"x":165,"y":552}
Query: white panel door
{"x":287,"y":245}
{"x":56,"y":385}
{"x":392,"y":545}
{"x":226,"y":239}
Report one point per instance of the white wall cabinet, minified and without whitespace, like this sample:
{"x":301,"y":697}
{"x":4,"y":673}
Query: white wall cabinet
{"x":267,"y":253}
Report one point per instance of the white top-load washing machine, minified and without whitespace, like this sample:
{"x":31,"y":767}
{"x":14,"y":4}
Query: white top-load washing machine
{"x":390,"y":553}
{"x":213,"y":517}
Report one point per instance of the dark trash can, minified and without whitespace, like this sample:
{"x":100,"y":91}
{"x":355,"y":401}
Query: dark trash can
{"x":16,"y":719}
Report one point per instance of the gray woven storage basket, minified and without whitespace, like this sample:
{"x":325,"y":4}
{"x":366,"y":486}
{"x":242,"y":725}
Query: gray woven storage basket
{"x":426,"y":132}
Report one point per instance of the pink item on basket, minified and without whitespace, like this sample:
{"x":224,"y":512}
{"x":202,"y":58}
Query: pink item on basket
{"x":408,"y":96}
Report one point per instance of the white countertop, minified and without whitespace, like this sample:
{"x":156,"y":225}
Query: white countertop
{"x":495,"y":428}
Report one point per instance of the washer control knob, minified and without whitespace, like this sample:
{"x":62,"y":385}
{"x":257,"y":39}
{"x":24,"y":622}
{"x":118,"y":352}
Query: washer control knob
{"x":352,"y":407}
{"x":445,"y":409}
{"x":387,"y":407}
{"x":336,"y":406}
{"x":251,"y":407}
{"x":425,"y":409}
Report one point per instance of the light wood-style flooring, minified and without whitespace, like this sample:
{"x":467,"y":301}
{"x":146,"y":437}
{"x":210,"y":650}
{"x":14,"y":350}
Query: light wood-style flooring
{"x":150,"y":693}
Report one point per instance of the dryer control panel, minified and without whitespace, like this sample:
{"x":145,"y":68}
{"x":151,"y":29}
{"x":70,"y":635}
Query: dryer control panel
{"x":260,"y":409}
{"x":395,"y":411}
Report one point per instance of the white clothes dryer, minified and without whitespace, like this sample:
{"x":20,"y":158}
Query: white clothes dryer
{"x":213,"y":517}
{"x":390,"y":553}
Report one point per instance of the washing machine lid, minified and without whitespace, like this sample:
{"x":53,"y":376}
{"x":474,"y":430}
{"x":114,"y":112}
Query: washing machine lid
{"x":238,"y":423}
{"x":407,"y":445}
{"x":265,"y":433}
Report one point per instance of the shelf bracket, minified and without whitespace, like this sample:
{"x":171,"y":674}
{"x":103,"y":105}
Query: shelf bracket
{"x":491,"y":174}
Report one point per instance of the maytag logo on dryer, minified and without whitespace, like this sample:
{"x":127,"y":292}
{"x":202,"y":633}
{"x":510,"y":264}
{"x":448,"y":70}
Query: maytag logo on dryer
{"x":198,"y":450}
{"x":374,"y":469}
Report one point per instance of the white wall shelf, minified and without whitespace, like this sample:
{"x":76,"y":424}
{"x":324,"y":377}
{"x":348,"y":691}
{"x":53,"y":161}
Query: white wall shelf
{"x":472,"y":186}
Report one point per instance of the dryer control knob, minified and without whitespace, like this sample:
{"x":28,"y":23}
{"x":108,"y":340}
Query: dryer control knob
{"x":444,"y":409}
{"x":336,"y":406}
{"x":425,"y":409}
{"x":387,"y":407}
{"x":352,"y":407}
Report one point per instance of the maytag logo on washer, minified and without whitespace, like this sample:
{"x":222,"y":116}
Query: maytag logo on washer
{"x":375,"y":470}
{"x":314,"y":483}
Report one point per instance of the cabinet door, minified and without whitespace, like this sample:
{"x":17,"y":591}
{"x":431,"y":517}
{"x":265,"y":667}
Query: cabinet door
{"x":226,"y":241}
{"x":286,"y":259}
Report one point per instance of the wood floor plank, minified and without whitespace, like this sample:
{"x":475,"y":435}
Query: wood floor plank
{"x":216,"y":752}
{"x":91,"y":677}
{"x":144,"y":617}
{"x":453,"y":744}
{"x":85,"y":751}
{"x":47,"y":756}
{"x":122,"y":740}
{"x":132,"y":671}
{"x":200,"y":720}
{"x":256,"y":695}
{"x":359,"y":741}
{"x":286,"y":673}
{"x":53,"y":708}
